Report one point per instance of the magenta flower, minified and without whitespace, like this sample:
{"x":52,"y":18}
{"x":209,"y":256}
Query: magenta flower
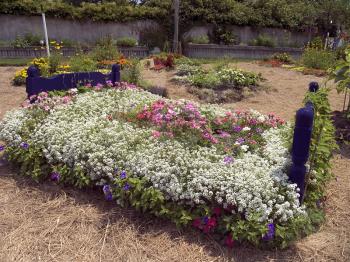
{"x":229,"y":242}
{"x":237,"y":129}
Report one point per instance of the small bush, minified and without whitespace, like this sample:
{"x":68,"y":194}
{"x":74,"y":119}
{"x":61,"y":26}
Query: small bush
{"x":82,"y":63}
{"x":283,"y":57}
{"x":205,"y":80}
{"x":204,"y":39}
{"x":318,"y":59}
{"x":263,"y":40}
{"x":131,"y":72}
{"x":224,"y":35}
{"x":316,"y":43}
{"x":105,"y":50}
{"x":126,"y":42}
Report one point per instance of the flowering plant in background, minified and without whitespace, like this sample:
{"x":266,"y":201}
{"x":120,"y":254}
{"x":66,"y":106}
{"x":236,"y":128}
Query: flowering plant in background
{"x":224,"y":172}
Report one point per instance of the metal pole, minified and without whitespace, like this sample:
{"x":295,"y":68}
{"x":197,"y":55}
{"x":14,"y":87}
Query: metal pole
{"x":46,"y":37}
{"x":176,"y":26}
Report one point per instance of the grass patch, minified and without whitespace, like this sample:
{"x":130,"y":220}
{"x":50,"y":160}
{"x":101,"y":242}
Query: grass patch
{"x":14,"y":61}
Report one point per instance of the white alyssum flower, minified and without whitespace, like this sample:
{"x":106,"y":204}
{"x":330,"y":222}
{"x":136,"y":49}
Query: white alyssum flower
{"x":80,"y":135}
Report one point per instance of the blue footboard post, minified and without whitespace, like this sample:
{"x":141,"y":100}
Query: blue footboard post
{"x":115,"y":77}
{"x":301,"y":143}
{"x":32,"y":72}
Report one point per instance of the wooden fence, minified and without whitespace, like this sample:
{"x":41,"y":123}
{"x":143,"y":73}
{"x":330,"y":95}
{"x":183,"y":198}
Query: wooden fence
{"x":237,"y":51}
{"x":10,"y":52}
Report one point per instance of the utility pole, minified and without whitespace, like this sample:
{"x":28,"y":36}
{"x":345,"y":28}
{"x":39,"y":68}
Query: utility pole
{"x":176,"y":26}
{"x":45,"y":32}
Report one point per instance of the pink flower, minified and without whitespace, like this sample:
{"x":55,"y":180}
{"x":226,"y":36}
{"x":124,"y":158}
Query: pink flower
{"x":224,"y":134}
{"x":66,"y":99}
{"x":229,"y":242}
{"x":46,"y":108}
{"x":156,"y":134}
{"x":109,"y":83}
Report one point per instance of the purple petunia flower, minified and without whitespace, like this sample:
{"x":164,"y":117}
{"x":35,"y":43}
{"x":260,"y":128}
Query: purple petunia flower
{"x":126,"y":187}
{"x":270,"y":232}
{"x":240,"y":140}
{"x":24,"y":145}
{"x":107,"y":192}
{"x":205,"y":220}
{"x":228,"y":160}
{"x":55,"y":176}
{"x":259,"y":130}
{"x":116,"y":170}
{"x":237,"y":129}
{"x":122,"y":175}
{"x":2,"y":148}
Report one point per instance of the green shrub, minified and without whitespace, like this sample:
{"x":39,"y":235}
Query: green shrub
{"x":318,"y":59}
{"x":316,"y":43}
{"x":105,"y":49}
{"x":126,"y":42}
{"x":131,"y":72}
{"x":224,"y":35}
{"x":263,"y":40}
{"x":54,"y":62}
{"x":204,"y":39}
{"x":283,"y":57}
{"x":205,"y":80}
{"x":82,"y":63}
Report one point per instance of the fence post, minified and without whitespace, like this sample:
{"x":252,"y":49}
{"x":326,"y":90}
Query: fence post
{"x":115,"y":77}
{"x":301,"y":143}
{"x":32,"y":72}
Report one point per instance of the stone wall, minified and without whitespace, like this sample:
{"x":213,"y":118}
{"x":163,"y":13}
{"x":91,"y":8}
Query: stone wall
{"x":245,"y":34}
{"x":88,"y":31}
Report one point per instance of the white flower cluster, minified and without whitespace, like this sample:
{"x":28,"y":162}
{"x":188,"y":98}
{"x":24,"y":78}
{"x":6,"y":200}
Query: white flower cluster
{"x":80,"y":135}
{"x":11,"y":126}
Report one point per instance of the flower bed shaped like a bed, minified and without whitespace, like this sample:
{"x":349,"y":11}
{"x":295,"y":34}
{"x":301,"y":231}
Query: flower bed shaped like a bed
{"x":223,"y":172}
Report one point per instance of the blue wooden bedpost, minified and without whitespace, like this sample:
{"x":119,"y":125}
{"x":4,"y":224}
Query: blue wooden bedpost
{"x":32,"y":72}
{"x":301,"y":142}
{"x":115,"y":77}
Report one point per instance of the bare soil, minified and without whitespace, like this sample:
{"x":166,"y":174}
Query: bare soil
{"x":44,"y":222}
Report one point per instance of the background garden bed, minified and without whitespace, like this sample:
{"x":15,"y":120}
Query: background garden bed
{"x":238,"y":51}
{"x":11,"y":52}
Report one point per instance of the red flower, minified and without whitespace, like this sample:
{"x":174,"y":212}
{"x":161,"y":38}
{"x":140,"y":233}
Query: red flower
{"x":197,"y":223}
{"x":229,"y":242}
{"x":217,"y":211}
{"x":212,"y":222}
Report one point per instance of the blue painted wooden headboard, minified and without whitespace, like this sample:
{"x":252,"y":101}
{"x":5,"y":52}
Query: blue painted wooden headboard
{"x":36,"y":84}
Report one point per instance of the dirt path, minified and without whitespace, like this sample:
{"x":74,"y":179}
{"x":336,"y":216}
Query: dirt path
{"x":43,"y":222}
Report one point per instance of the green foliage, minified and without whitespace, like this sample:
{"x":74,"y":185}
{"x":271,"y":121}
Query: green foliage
{"x":54,"y":62}
{"x":105,"y":49}
{"x":126,"y":42}
{"x":263,"y":40}
{"x":203,"y":39}
{"x":316,"y":43}
{"x":283,"y":57}
{"x":223,"y":35}
{"x":131,"y":72}
{"x":25,"y":41}
{"x":82,"y":63}
{"x":341,"y":76}
{"x":318,"y":59}
{"x":323,"y":144}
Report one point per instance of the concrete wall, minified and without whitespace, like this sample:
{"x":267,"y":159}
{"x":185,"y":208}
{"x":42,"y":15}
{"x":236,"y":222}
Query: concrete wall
{"x":11,"y":26}
{"x":246,"y":33}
